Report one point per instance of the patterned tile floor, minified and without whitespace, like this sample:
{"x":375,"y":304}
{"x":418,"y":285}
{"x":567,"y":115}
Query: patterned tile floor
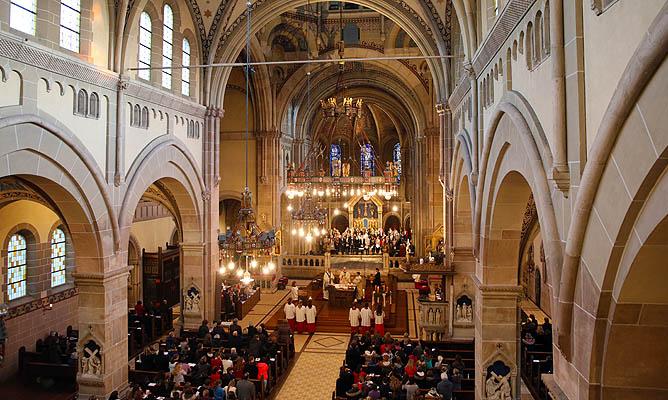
{"x":314,"y":374}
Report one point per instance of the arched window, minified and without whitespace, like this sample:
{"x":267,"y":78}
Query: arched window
{"x":136,"y":116}
{"x":396,"y":159}
{"x":94,"y":105}
{"x":144,"y":117}
{"x":530,"y":46}
{"x":17,"y":258}
{"x":145,"y":29}
{"x":82,"y":102}
{"x":23,"y":16}
{"x":167,"y":48}
{"x":197,"y":130}
{"x":367,"y":158}
{"x":70,"y":24}
{"x":57,"y":257}
{"x":335,"y":160}
{"x":185,"y":72}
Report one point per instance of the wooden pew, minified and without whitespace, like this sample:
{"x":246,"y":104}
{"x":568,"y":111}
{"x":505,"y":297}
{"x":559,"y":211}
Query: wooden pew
{"x":31,"y":366}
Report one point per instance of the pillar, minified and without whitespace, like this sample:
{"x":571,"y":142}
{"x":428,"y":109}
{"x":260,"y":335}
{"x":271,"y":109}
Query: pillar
{"x":210,"y":197}
{"x":195,"y":306}
{"x":268,"y":195}
{"x":496,"y":332}
{"x":103,"y":332}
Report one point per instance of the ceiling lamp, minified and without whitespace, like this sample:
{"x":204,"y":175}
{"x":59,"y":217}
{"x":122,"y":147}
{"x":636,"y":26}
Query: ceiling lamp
{"x":245,"y":240}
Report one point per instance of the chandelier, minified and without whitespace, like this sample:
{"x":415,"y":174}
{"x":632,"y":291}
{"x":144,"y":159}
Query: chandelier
{"x":332,"y":108}
{"x":246,"y":242}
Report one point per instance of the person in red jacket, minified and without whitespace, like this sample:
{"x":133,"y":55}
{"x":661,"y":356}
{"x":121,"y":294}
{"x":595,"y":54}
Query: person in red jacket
{"x":263,"y":370}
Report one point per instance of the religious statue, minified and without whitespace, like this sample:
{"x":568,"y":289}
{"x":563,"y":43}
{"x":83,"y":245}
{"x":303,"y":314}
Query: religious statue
{"x":191,"y":300}
{"x":497,"y":387}
{"x":346,"y":169}
{"x":91,"y":362}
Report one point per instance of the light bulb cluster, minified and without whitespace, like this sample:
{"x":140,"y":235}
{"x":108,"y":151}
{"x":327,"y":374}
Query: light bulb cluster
{"x":386,"y":191}
{"x":308,"y":233}
{"x":244,"y":274}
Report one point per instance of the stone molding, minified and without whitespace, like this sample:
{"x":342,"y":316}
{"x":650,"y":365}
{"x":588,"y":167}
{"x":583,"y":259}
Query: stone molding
{"x":505,"y":25}
{"x":41,"y":303}
{"x":459,"y":92}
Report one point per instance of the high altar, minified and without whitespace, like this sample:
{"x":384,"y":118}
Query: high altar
{"x":365,"y":213}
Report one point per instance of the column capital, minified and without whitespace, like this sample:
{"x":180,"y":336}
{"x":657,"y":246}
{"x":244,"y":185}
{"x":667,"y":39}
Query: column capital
{"x":215,"y":112}
{"x":442,"y":108}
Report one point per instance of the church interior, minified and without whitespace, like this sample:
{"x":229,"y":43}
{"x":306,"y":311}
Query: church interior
{"x":307,"y":199}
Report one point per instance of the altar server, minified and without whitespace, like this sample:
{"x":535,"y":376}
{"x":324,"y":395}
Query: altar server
{"x":310,"y":317}
{"x":379,"y":320}
{"x":327,"y":278}
{"x":365,"y":317}
{"x":354,"y":318}
{"x":300,"y":317}
{"x":289,"y":310}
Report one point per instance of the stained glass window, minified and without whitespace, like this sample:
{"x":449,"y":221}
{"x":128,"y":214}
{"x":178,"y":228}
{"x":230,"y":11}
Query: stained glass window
{"x":185,"y":72}
{"x":23,"y":16}
{"x":167,"y":48}
{"x":335,"y":160}
{"x":396,"y":158}
{"x":17,"y":256}
{"x":57,"y":257}
{"x":145,"y":29}
{"x":367,"y":158}
{"x":70,"y":24}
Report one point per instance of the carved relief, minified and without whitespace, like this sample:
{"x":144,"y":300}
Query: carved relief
{"x":191,"y":300}
{"x":464,"y":310}
{"x":90,"y":359}
{"x":497,"y":382}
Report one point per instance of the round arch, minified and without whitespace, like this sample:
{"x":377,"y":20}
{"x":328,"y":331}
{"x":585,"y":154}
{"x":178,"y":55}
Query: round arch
{"x":231,"y":42}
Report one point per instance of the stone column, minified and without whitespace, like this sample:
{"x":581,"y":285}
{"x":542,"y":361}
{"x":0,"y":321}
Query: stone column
{"x":431,"y":198}
{"x":211,"y":167}
{"x":268,"y":196}
{"x":197,"y":298}
{"x":496,"y":332}
{"x":445,"y":124}
{"x":103,"y":332}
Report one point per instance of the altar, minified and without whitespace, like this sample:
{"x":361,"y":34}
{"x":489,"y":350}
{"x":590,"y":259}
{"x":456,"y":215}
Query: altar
{"x":341,"y":296}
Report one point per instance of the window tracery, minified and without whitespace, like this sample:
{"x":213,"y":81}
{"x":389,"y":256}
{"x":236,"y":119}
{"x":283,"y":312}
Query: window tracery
{"x":17,"y":259}
{"x":58,"y":253}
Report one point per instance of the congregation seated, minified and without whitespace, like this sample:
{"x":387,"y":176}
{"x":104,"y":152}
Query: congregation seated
{"x":381,"y":367}
{"x":210,"y":361}
{"x":54,"y":357}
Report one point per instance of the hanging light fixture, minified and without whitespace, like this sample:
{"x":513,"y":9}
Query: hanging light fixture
{"x":246,"y":241}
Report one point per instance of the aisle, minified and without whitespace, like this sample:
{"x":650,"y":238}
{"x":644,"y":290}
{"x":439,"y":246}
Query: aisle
{"x":314,"y":374}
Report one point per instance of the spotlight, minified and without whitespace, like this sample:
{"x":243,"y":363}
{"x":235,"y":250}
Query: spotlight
{"x":289,"y":207}
{"x":240,"y":272}
{"x":301,"y":232}
{"x":336,"y":211}
{"x":221,"y":270}
{"x":230,"y":265}
{"x":293,"y":232}
{"x":395,"y":208}
{"x":253,"y":263}
{"x":271,"y":266}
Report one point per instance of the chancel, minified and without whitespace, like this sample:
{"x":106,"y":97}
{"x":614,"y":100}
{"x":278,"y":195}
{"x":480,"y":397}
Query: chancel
{"x":308,"y":199}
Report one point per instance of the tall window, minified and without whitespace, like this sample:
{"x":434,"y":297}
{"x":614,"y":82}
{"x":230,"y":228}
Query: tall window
{"x":17,"y":256}
{"x":70,"y":24}
{"x":167,"y":35}
{"x":185,"y":72}
{"x":335,"y":160}
{"x":396,"y":158}
{"x":57,"y":257}
{"x":367,"y":158}
{"x":145,"y":46}
{"x":23,"y":15}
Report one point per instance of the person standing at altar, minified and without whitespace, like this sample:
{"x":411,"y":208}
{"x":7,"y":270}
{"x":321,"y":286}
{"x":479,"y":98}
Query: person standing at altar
{"x":377,"y":297}
{"x":294,"y":291}
{"x":300,"y":317}
{"x":326,"y":282}
{"x":311,"y":313}
{"x":289,"y":310}
{"x":365,"y":318}
{"x":376,"y":279}
{"x":344,"y":277}
{"x":354,"y":318}
{"x":359,"y":283}
{"x":379,"y":320}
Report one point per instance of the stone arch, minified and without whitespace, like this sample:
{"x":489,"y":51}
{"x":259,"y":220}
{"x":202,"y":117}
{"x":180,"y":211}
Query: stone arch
{"x":62,"y":158}
{"x":630,"y":110}
{"x":165,"y":160}
{"x":391,"y":220}
{"x":229,"y":43}
{"x":340,"y":222}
